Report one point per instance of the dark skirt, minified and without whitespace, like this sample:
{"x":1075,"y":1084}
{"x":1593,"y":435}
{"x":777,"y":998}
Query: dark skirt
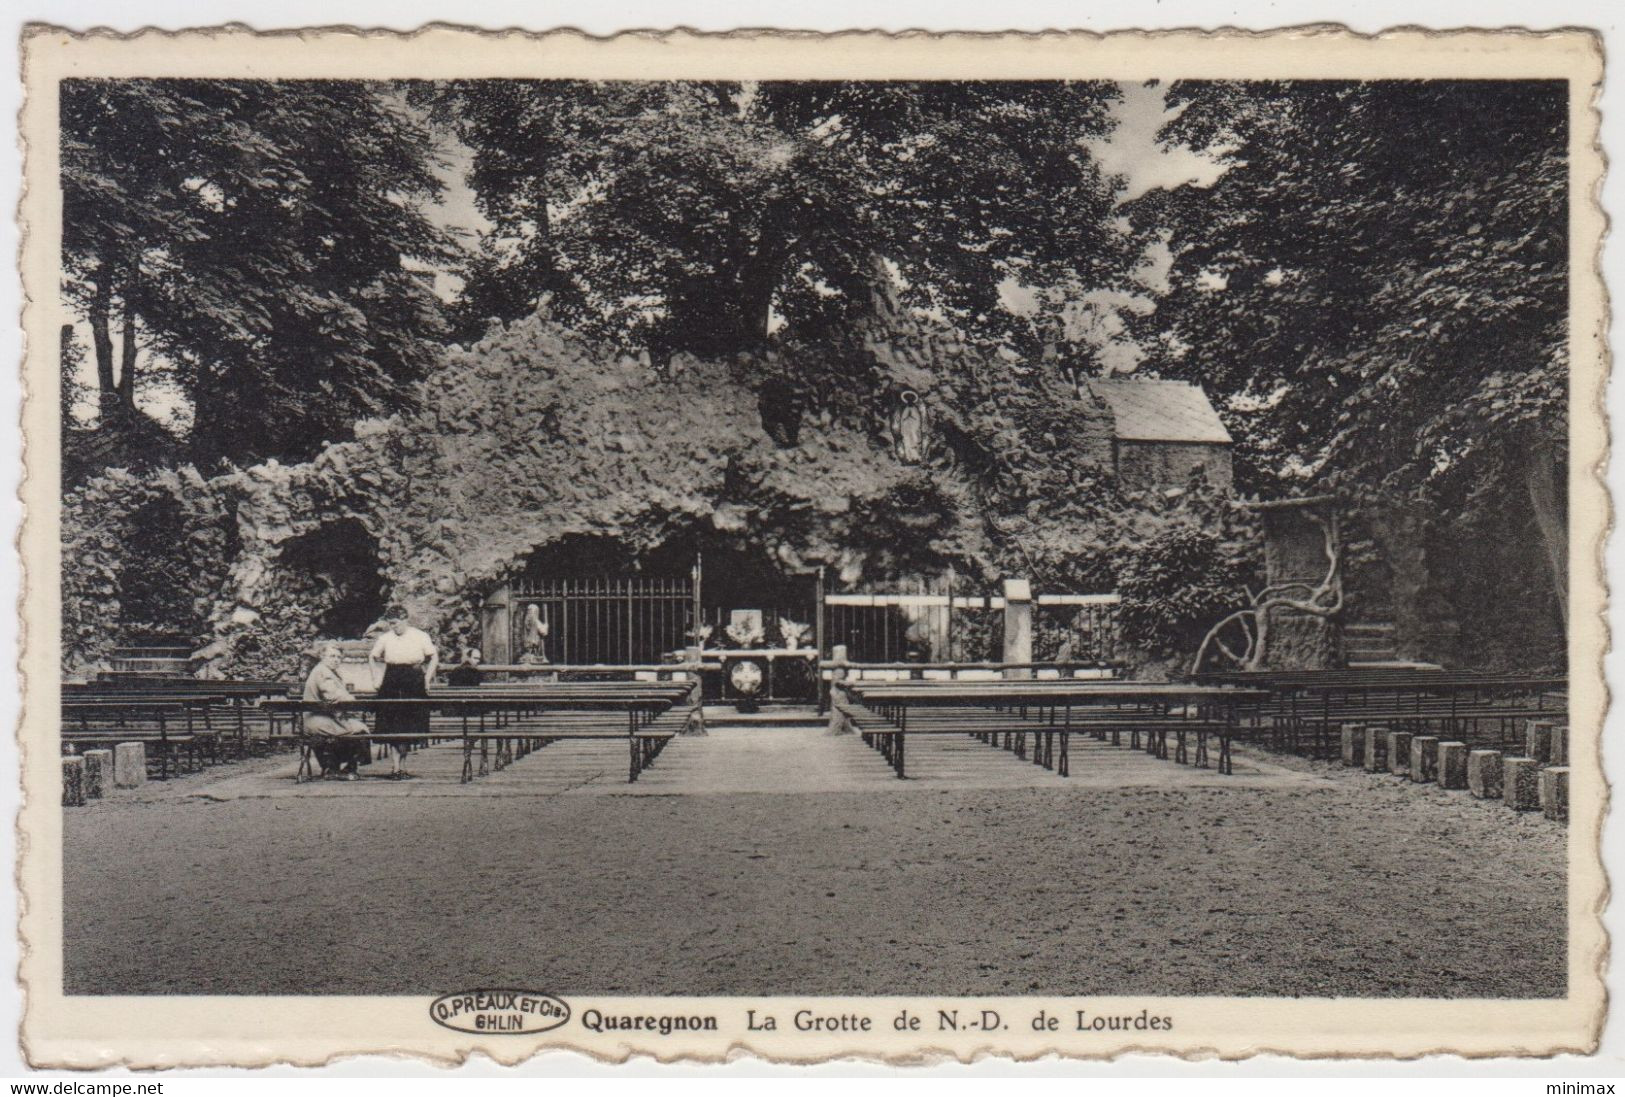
{"x":403,"y":681}
{"x":336,"y":747}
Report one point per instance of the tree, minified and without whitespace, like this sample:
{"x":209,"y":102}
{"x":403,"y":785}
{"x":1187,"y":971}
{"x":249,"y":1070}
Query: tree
{"x":1377,"y":287}
{"x":262,"y":244}
{"x":703,"y":217}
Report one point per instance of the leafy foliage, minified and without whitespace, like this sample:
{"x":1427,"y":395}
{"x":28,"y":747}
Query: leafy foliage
{"x":1382,"y":272}
{"x":264,"y":242}
{"x":1175,"y":586}
{"x":717,"y":218}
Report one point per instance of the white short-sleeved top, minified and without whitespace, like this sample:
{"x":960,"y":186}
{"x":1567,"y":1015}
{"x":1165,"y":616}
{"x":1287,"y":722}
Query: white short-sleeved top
{"x":408,"y":649}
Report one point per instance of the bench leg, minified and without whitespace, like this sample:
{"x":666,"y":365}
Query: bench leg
{"x":898,"y":749}
{"x":1201,"y":748}
{"x":1224,"y":753}
{"x":303,"y":773}
{"x":468,"y":760}
{"x":1180,"y":755}
{"x":1064,"y":769}
{"x":632,"y":771}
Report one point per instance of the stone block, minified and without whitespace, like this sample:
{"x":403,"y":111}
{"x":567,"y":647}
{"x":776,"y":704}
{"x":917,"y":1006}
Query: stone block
{"x":1399,"y":752}
{"x":1484,"y":773}
{"x":1537,"y":741}
{"x":1353,"y":744}
{"x":1520,"y":783}
{"x":1424,"y":758}
{"x":1376,"y":749}
{"x":1560,"y":746}
{"x":73,"y":781}
{"x":130,"y":765}
{"x":98,"y":773}
{"x":1452,"y":765}
{"x":1554,"y":793}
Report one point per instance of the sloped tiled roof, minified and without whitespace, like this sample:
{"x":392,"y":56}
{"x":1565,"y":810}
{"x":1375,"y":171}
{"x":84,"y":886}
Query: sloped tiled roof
{"x":1160,"y":411}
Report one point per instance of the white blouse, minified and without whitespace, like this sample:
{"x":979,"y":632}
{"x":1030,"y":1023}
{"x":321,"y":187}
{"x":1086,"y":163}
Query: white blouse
{"x":410,"y":648}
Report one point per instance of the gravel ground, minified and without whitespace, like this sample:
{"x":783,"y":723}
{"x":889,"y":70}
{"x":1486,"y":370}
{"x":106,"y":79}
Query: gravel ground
{"x":1329,"y":883}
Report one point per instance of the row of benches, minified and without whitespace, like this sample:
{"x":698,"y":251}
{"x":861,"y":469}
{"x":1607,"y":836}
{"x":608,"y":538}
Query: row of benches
{"x":1305,"y":709}
{"x":498,"y":727}
{"x":1005,"y":713}
{"x":184,"y":726}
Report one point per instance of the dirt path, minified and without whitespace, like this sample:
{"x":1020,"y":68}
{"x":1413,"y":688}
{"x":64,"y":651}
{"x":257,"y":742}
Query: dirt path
{"x":817,"y":874}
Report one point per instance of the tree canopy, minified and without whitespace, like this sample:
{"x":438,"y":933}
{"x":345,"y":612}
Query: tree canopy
{"x":1382,"y":268}
{"x":260,"y":246}
{"x":697,"y":216}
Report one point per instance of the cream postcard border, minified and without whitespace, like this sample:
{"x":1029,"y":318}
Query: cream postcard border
{"x":195,"y":1031}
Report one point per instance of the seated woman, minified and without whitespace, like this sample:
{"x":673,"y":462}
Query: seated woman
{"x":467,"y":675}
{"x":339,"y":745}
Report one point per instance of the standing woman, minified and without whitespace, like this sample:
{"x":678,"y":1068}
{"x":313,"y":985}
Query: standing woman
{"x":409,"y":660}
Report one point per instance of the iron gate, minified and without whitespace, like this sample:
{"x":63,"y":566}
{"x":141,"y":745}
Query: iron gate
{"x":613,"y":620}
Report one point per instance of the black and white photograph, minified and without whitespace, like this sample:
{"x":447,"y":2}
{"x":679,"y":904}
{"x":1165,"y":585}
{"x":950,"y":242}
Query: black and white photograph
{"x":525,"y":543}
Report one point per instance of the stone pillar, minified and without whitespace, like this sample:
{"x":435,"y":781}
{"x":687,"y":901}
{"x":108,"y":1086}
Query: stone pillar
{"x":130,"y":765}
{"x":1554,"y":793}
{"x":1453,"y":765}
{"x":1484,"y":772}
{"x":98,"y":773}
{"x":1353,"y":744}
{"x":496,"y":625}
{"x":1399,"y":753}
{"x":1018,"y":626}
{"x":1560,"y":746}
{"x":1423,"y":626}
{"x":1520,"y":783}
{"x":1537,"y":740}
{"x":1376,"y":749}
{"x":1424,"y":758}
{"x":73,"y":781}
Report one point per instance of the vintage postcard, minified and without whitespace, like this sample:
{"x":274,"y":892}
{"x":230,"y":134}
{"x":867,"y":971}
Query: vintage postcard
{"x":898,"y":547}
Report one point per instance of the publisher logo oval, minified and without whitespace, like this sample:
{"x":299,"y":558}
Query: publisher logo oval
{"x":499,"y":1012}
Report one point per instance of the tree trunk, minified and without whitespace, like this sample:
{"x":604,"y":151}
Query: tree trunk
{"x":126,"y":377}
{"x":1261,"y":640}
{"x":101,"y":334}
{"x":1541,"y":477}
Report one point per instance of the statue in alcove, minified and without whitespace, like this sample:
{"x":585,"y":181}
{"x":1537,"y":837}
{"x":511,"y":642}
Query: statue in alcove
{"x":908,"y":428}
{"x":533,"y":635}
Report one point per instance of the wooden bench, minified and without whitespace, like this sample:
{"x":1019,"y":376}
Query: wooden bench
{"x":166,"y":726}
{"x":507,"y":728}
{"x":1306,"y":709}
{"x":229,"y":710}
{"x":1005,"y":712}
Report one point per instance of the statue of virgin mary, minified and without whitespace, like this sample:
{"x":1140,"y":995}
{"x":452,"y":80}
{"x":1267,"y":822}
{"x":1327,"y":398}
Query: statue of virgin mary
{"x":909,"y":428}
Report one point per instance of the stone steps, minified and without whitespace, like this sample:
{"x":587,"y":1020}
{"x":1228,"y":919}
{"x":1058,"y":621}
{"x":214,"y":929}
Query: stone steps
{"x":767,"y":719}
